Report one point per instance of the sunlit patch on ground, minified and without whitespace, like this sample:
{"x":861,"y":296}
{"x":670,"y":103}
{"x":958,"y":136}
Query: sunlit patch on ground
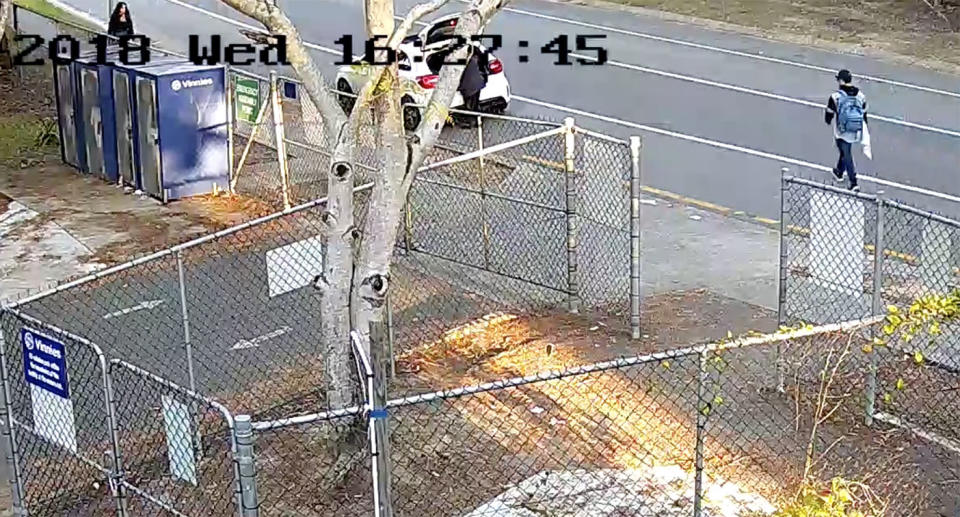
{"x":660,"y":491}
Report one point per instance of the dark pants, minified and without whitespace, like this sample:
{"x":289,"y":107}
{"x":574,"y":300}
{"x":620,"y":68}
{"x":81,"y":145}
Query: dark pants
{"x":845,"y":162}
{"x":470,"y":103}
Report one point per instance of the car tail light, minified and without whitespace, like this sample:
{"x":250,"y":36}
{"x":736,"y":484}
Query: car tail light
{"x":428,"y":81}
{"x":495,"y":66}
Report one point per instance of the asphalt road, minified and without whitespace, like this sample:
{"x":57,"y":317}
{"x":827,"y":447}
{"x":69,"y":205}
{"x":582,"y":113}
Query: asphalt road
{"x":682,"y":103}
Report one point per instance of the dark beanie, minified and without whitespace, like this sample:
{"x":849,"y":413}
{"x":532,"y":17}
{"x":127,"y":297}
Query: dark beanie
{"x":845,"y":76}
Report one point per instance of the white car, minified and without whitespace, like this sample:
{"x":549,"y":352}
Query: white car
{"x":419,"y":59}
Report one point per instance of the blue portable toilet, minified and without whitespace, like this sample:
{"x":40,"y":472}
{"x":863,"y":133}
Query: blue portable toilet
{"x":96,"y":130}
{"x":125,"y":119}
{"x":65,"y":90}
{"x":179,"y":127}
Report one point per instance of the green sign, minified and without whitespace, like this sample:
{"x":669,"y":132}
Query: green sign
{"x":247,"y":99}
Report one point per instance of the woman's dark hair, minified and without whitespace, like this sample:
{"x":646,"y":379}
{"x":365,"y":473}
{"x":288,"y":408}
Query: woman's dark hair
{"x":119,"y":27}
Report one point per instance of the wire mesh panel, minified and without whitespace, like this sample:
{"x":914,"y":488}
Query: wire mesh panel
{"x":603,"y":170}
{"x":58,"y":406}
{"x":921,"y":259}
{"x":827,"y":242}
{"x":614,"y":440}
{"x":499,"y":212}
{"x":316,"y":469}
{"x":773,"y":444}
{"x":177,"y":448}
{"x":253,"y":314}
{"x":131,"y":313}
{"x":234,"y":316}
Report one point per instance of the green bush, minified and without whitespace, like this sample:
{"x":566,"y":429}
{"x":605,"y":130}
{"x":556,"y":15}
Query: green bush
{"x":841,"y":498}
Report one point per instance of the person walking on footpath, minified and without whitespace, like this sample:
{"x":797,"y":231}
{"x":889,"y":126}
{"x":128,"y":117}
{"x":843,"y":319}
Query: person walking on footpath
{"x":849,"y":105}
{"x":121,"y":24}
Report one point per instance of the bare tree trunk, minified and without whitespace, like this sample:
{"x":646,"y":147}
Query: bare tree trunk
{"x":6,"y":17}
{"x":391,"y":190}
{"x":354,"y":293}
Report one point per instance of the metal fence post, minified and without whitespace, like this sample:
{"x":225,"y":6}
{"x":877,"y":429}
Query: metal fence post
{"x":188,"y":350}
{"x":636,"y":147}
{"x":246,"y":466}
{"x":378,"y":417}
{"x":281,"y":138}
{"x":573,"y":226}
{"x":393,"y":358}
{"x":116,"y":461}
{"x":484,"y":225}
{"x":701,"y":425}
{"x":9,"y":432}
{"x":876,"y":309}
{"x":14,"y":48}
{"x":407,"y":227}
{"x":231,"y":99}
{"x":782,"y":276}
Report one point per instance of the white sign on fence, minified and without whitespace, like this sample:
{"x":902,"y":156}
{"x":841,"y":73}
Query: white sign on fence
{"x":176,"y":420}
{"x":836,"y":242}
{"x":295,"y":265}
{"x":45,"y":370}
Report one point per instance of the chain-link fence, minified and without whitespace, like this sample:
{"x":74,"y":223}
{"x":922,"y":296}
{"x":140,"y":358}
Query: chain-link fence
{"x":516,"y":215}
{"x":848,"y":255}
{"x":233,"y":315}
{"x":706,"y":430}
{"x":91,"y":438}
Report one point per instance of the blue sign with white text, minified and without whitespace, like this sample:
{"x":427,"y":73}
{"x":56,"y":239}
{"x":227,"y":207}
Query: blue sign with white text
{"x":45,"y":362}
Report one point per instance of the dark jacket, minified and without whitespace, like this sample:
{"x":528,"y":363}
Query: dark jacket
{"x":120,"y":28}
{"x":472,"y":80}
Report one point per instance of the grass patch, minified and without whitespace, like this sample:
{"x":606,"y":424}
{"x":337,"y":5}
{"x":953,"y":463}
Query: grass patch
{"x":26,"y":137}
{"x":48,"y":9}
{"x":902,"y":27}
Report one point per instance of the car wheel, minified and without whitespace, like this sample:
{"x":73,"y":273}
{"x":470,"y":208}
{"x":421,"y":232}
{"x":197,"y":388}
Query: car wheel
{"x":499,"y":108}
{"x":346,"y":102}
{"x":411,"y":114}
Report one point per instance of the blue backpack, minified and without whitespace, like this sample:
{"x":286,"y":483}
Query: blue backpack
{"x":849,"y":113}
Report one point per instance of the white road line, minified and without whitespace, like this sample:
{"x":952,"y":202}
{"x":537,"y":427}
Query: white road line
{"x":731,"y":147}
{"x":139,"y":307}
{"x":768,"y":95}
{"x":682,"y":136}
{"x":722,"y":50}
{"x":244,"y":344}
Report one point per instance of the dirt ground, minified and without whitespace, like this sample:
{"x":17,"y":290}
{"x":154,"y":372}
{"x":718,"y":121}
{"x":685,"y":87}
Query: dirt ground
{"x":456,"y":452}
{"x":904,"y":30}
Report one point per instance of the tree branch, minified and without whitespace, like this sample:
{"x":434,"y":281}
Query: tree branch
{"x":412,"y":17}
{"x":6,"y":6}
{"x":277,"y":23}
{"x":402,"y":158}
{"x":435,"y":114}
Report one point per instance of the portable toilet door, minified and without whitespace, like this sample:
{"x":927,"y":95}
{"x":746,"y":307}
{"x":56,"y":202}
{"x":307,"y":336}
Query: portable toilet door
{"x":123,"y":111}
{"x":92,"y":121}
{"x":66,"y":114}
{"x":148,"y":136}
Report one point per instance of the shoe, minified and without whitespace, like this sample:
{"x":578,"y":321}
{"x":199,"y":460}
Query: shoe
{"x":837,"y":175}
{"x":855,"y":188}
